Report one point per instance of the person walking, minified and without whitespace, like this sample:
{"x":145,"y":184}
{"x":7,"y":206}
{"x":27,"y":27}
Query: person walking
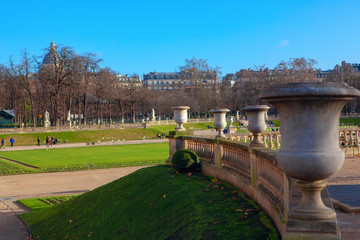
{"x":38,"y":141}
{"x":48,"y":141}
{"x":12,"y":140}
{"x":2,"y":143}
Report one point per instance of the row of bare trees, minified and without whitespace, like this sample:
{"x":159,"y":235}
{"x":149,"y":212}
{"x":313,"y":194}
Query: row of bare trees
{"x":251,"y":82}
{"x":63,"y":81}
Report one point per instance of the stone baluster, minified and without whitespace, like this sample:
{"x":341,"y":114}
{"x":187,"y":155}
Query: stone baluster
{"x":346,"y":140}
{"x":351,"y":140}
{"x":263,"y":139}
{"x":244,"y":138}
{"x":266,"y":136}
{"x":357,"y":138}
{"x":271,"y":145}
{"x":277,"y":142}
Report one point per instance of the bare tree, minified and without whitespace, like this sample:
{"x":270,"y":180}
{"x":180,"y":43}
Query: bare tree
{"x":22,"y":73}
{"x":90,"y":67}
{"x":105,"y":82}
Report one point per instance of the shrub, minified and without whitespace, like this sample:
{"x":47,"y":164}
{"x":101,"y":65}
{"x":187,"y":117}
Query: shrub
{"x":185,"y":160}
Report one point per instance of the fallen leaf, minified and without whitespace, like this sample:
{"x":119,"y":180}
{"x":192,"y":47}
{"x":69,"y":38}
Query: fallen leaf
{"x":222,"y":188}
{"x":233,"y":198}
{"x":164,"y":196}
{"x":239,"y":210}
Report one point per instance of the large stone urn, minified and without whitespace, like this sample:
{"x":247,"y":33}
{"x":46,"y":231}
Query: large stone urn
{"x":180,"y":116}
{"x":256,"y":125}
{"x":310,"y":152}
{"x":220,"y":120}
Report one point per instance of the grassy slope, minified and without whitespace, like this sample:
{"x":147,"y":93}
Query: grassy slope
{"x":154,"y":203}
{"x":97,"y":156}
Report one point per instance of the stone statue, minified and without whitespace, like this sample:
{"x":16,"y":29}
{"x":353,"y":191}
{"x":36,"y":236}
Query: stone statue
{"x":47,"y":122}
{"x":68,"y":116}
{"x":68,"y":119}
{"x":153,"y":115}
{"x":46,"y":116}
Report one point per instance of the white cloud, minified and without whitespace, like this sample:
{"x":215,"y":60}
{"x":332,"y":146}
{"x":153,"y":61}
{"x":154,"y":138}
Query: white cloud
{"x":284,"y":43}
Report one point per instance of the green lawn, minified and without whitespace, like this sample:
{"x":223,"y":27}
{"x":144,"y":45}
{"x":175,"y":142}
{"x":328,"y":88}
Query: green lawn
{"x":99,"y":135}
{"x":92,"y":157}
{"x":9,"y":168}
{"x":40,"y":203}
{"x":190,"y":126}
{"x":155,"y":203}
{"x":82,"y":136}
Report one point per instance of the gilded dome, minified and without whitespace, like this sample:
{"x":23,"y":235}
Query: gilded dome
{"x":49,"y":58}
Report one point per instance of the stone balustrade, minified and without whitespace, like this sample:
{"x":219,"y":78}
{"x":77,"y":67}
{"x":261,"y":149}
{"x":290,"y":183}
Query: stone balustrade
{"x":254,"y":170}
{"x":289,"y":183}
{"x":272,"y":139}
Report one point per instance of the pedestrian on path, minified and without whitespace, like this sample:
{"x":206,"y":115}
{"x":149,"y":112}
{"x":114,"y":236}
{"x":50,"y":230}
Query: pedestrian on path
{"x":2,"y":143}
{"x":38,"y":141}
{"x":12,"y":140}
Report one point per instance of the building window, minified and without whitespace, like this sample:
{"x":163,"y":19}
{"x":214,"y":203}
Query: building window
{"x":162,"y":83}
{"x":157,"y":82}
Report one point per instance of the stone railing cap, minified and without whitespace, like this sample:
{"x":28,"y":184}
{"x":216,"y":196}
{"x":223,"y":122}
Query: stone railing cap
{"x":221,"y":110}
{"x":256,"y":107}
{"x":309,"y":89}
{"x":180,"y":108}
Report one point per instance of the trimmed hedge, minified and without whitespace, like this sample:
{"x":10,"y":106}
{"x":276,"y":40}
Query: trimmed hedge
{"x":185,"y":160}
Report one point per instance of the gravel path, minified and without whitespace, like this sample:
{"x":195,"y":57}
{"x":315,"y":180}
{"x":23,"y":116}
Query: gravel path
{"x":348,"y":175}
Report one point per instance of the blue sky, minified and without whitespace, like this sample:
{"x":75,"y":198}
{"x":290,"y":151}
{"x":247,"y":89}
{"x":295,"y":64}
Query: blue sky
{"x":142,"y":36}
